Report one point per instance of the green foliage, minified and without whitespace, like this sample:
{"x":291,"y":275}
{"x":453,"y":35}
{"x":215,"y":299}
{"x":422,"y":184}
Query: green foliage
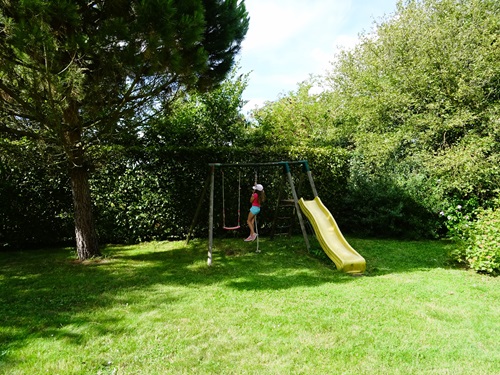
{"x":208,"y":119}
{"x":422,"y":94}
{"x":35,"y":204}
{"x":458,"y":218}
{"x":74,"y":76}
{"x":388,"y":207}
{"x":300,"y":118}
{"x":477,"y":235}
{"x":153,"y":194}
{"x":483,"y":245}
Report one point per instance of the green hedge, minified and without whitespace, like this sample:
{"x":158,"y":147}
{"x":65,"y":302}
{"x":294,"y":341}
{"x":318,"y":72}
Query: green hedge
{"x":35,"y":205}
{"x":153,"y":193}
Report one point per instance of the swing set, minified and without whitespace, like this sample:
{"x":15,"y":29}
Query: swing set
{"x":325,"y":227}
{"x":211,"y":182}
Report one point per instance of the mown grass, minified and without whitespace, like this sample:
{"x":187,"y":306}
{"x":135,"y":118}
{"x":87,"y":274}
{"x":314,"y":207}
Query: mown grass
{"x":157,"y":308}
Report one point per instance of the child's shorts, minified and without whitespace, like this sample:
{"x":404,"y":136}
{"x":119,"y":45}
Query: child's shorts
{"x":254,"y":210}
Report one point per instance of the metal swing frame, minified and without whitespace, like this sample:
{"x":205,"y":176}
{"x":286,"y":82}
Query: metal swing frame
{"x":211,"y":181}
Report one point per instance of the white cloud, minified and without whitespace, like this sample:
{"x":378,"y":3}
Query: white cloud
{"x":272,"y":24}
{"x":252,"y":104}
{"x":288,"y":40}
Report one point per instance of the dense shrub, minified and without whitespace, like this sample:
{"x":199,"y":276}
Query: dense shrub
{"x":35,"y":205}
{"x":477,"y":236}
{"x":385,"y":208}
{"x":152,"y":193}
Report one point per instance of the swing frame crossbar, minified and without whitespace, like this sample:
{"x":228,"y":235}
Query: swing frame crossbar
{"x":211,"y":180}
{"x":274,"y":163}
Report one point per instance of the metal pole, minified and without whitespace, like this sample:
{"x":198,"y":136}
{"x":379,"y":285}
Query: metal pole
{"x":198,"y":209}
{"x":309,"y":176}
{"x":257,"y":232}
{"x":297,"y":208}
{"x":211,"y":217}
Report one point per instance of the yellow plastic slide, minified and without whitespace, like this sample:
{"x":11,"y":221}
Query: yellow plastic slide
{"x":331,"y":239}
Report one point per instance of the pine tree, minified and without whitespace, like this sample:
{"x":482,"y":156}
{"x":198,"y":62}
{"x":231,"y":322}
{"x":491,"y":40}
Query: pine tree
{"x":74,"y":74}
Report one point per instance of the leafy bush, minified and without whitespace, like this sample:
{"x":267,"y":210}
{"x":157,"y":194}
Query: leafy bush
{"x":458,"y":218}
{"x":477,"y":235}
{"x":35,"y":204}
{"x":482,"y":250}
{"x":384,"y":208}
{"x":143,"y":194}
{"x":153,"y":194}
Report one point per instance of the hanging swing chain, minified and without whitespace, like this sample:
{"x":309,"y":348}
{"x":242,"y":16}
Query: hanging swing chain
{"x":239,"y":196}
{"x":224,"y":201}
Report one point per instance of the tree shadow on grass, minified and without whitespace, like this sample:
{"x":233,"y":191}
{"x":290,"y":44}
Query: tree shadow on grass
{"x":46,"y":294}
{"x":280,"y":264}
{"x":43,"y":292}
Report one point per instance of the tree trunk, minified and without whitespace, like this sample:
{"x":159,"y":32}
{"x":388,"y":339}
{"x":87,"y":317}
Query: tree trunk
{"x":86,"y":236}
{"x":87,"y":245}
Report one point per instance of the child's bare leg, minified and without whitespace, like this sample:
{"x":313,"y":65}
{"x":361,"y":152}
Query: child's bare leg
{"x":250,"y":222}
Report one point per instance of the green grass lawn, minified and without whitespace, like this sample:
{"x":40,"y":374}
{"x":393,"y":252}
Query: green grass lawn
{"x":157,"y":308}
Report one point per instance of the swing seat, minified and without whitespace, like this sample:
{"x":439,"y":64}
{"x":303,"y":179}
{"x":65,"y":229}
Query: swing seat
{"x":232,"y":228}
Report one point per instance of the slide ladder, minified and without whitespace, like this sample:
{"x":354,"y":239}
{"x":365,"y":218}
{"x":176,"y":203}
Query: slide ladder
{"x":331,"y":239}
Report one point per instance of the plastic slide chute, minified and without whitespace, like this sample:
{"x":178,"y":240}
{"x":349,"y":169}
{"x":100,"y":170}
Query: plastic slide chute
{"x":331,"y":239}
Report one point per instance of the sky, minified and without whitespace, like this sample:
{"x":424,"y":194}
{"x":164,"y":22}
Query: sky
{"x":288,"y":40}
